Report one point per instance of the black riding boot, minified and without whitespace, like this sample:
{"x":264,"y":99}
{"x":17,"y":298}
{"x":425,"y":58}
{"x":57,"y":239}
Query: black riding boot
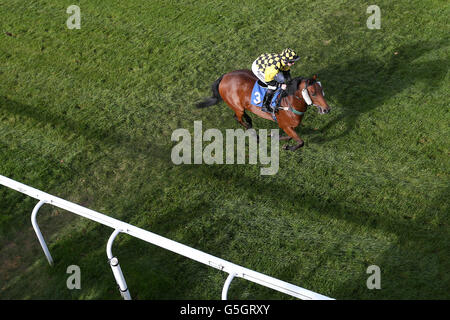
{"x":267,"y":100}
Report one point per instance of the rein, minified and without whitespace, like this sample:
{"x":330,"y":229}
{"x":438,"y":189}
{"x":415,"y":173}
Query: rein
{"x":290,"y":108}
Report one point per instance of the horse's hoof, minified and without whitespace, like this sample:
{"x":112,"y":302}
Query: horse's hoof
{"x":298,"y":146}
{"x":293,"y":148}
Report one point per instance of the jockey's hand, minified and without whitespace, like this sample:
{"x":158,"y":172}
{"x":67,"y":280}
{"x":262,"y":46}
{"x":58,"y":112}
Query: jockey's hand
{"x":283,"y":86}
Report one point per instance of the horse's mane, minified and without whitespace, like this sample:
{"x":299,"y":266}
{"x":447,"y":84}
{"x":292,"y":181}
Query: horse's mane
{"x":292,"y":86}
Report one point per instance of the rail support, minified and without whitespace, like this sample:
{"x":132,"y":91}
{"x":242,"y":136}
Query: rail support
{"x":119,"y":226}
{"x":115,"y":267}
{"x":227,"y":285}
{"x":39,"y":233}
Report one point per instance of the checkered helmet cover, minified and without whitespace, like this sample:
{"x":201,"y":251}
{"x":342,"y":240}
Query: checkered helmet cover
{"x":289,"y":55}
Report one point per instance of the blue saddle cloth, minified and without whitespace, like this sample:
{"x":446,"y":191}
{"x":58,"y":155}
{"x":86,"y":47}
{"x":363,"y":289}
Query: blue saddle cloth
{"x":258,"y":94}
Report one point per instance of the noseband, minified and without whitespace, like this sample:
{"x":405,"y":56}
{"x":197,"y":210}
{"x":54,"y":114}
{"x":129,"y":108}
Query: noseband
{"x":305,"y":92}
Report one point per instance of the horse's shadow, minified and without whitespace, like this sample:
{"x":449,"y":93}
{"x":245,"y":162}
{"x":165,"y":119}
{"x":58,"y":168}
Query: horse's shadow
{"x":359,"y":85}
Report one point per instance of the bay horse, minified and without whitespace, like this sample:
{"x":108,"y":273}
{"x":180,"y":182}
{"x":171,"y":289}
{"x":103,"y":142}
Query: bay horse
{"x":235,"y":89}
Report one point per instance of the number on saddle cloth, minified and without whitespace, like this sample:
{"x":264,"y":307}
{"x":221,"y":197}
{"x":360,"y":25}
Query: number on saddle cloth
{"x":258,"y":94}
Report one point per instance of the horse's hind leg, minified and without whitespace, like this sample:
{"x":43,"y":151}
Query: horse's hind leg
{"x":246,"y":124}
{"x":238,"y":116}
{"x":248,"y":120}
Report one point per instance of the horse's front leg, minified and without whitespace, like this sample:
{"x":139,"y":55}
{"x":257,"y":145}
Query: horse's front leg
{"x":283,"y":138}
{"x":292,"y":134}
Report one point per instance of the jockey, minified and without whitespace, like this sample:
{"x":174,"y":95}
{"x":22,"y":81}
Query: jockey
{"x":267,"y":68}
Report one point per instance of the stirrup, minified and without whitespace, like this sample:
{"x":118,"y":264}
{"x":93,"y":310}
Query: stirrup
{"x":268,"y":109}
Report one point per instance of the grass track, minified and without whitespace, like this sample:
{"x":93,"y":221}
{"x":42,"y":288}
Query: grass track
{"x":87,"y":115}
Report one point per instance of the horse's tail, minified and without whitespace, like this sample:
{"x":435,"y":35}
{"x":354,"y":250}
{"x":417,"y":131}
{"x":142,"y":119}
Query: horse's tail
{"x":216,"y":98}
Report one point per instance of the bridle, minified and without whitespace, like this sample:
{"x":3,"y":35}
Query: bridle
{"x":305,"y":98}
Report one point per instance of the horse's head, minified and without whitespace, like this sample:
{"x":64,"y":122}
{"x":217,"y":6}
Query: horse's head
{"x":312,"y":92}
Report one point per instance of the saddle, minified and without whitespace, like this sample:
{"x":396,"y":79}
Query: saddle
{"x":258,"y":93}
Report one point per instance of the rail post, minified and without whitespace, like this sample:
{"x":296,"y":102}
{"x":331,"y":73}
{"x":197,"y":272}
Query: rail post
{"x":38,"y":231}
{"x":226,"y":285}
{"x":115,"y":267}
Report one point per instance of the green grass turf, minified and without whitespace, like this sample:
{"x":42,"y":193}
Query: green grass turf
{"x":87,"y":115}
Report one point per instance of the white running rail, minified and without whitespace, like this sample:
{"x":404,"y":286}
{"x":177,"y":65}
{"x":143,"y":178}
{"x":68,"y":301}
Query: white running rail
{"x":121,"y":227}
